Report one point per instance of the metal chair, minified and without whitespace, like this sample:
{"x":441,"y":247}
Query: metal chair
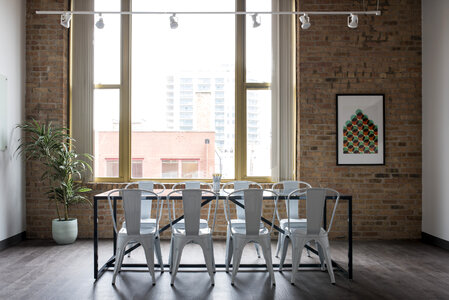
{"x":146,"y":220}
{"x":241,"y":185}
{"x":204,"y":223}
{"x":251,"y":231}
{"x":192,"y":232}
{"x":285,"y":188}
{"x":134,"y":232}
{"x":312,"y":232}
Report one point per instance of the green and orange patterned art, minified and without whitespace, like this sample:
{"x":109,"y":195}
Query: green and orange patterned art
{"x":360,"y":135}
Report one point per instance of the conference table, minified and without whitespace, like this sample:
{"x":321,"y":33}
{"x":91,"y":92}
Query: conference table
{"x":115,"y":197}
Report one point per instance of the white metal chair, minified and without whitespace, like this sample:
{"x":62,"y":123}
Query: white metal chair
{"x":204,"y":223}
{"x":146,"y":220}
{"x":240,"y":221}
{"x":192,"y":232}
{"x":312,"y":232}
{"x":285,"y":188}
{"x":251,"y":231}
{"x":134,"y":232}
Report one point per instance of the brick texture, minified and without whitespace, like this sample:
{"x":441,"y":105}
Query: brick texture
{"x":383,"y":55}
{"x":46,"y":98}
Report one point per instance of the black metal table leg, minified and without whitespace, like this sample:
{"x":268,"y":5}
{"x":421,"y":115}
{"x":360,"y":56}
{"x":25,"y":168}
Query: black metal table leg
{"x":95,"y":239}
{"x":115,"y":220}
{"x":350,"y":237}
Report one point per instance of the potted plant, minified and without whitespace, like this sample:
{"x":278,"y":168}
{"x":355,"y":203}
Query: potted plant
{"x":63,"y":170}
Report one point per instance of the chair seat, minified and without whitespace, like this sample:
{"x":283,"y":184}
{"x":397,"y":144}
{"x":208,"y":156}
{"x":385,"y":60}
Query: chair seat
{"x":144,"y":223}
{"x":240,"y":229}
{"x":181,"y":224}
{"x":182,"y":231}
{"x":302,"y":232}
{"x":240,"y":223}
{"x":143,"y":231}
{"x":294,"y":223}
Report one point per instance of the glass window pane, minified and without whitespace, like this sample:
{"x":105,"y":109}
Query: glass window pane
{"x":169,"y":169}
{"x":107,"y":44}
{"x":181,"y":79}
{"x":189,"y":169}
{"x":258,"y":132}
{"x":106,"y":131}
{"x":258,"y":43}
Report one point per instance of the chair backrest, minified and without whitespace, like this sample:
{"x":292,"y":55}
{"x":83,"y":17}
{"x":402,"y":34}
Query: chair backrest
{"x":191,"y":204}
{"x":191,"y":185}
{"x":145,"y":211}
{"x":253,"y":207}
{"x":132,"y":205}
{"x":195,"y":185}
{"x":315,"y":198}
{"x":287,"y":187}
{"x":240,"y":185}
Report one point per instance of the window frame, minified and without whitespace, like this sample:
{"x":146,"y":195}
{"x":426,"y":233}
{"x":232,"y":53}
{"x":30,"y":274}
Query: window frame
{"x":241,"y":88}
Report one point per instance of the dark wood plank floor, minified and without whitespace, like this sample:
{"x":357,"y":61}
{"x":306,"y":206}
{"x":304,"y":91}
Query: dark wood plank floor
{"x":383,"y":270}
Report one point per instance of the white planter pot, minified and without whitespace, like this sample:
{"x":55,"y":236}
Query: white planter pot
{"x":64,"y":232}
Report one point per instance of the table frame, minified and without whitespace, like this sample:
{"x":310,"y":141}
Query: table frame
{"x":110,"y":263}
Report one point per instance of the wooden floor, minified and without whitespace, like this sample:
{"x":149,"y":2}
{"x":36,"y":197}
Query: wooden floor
{"x":383,"y":270}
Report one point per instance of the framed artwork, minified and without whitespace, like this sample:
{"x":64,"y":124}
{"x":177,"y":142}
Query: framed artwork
{"x":360,"y":129}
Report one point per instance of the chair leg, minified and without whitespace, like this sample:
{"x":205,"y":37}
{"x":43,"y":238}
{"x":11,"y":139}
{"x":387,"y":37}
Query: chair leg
{"x":157,"y":247}
{"x":321,"y":256}
{"x":120,"y":253}
{"x":170,"y":256}
{"x":327,"y":254}
{"x":208,"y":252}
{"x":266,"y":249}
{"x":297,"y":247}
{"x":178,"y":246}
{"x":238,"y":249}
{"x":279,"y":244}
{"x":229,"y":250}
{"x":257,"y":249}
{"x":307,"y":249}
{"x":149,"y":254}
{"x":284,"y":248}
{"x":116,"y":267}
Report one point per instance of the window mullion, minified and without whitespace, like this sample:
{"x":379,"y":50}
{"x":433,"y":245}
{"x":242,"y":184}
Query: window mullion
{"x":240,"y":94}
{"x":125,"y":103}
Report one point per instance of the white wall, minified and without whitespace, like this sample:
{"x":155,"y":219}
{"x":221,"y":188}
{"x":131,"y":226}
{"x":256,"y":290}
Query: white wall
{"x":12,"y":65}
{"x":435,"y":112}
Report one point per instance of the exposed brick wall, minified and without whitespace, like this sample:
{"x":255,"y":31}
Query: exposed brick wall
{"x":383,"y":55}
{"x":46,"y":98}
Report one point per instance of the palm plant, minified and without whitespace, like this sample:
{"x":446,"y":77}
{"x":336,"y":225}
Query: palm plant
{"x":63,"y":167}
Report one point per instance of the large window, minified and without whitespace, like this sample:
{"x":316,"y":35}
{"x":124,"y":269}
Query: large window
{"x":186,"y":102}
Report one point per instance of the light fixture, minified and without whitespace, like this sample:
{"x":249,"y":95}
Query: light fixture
{"x":256,"y":20}
{"x":353,"y":21}
{"x":173,"y":21}
{"x":100,"y":23}
{"x":65,"y":19}
{"x":305,"y":21}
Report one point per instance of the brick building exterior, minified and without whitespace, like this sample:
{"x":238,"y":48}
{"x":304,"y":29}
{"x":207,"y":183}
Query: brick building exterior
{"x":383,"y":55}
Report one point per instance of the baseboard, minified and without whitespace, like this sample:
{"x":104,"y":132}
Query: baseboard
{"x":430,"y":239}
{"x":11,"y":241}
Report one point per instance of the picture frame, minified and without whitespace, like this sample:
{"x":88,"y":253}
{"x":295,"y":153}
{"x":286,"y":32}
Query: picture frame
{"x":360,"y":129}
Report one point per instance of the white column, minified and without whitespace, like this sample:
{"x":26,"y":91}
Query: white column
{"x":81,"y":85}
{"x":283,"y":93}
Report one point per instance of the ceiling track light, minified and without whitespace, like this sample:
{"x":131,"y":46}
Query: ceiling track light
{"x":256,"y":20}
{"x":353,"y":21}
{"x":65,"y":19}
{"x":305,"y":21}
{"x":100,"y":22}
{"x":173,"y":21}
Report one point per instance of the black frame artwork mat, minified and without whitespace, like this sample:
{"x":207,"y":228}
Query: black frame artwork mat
{"x":360,"y":129}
